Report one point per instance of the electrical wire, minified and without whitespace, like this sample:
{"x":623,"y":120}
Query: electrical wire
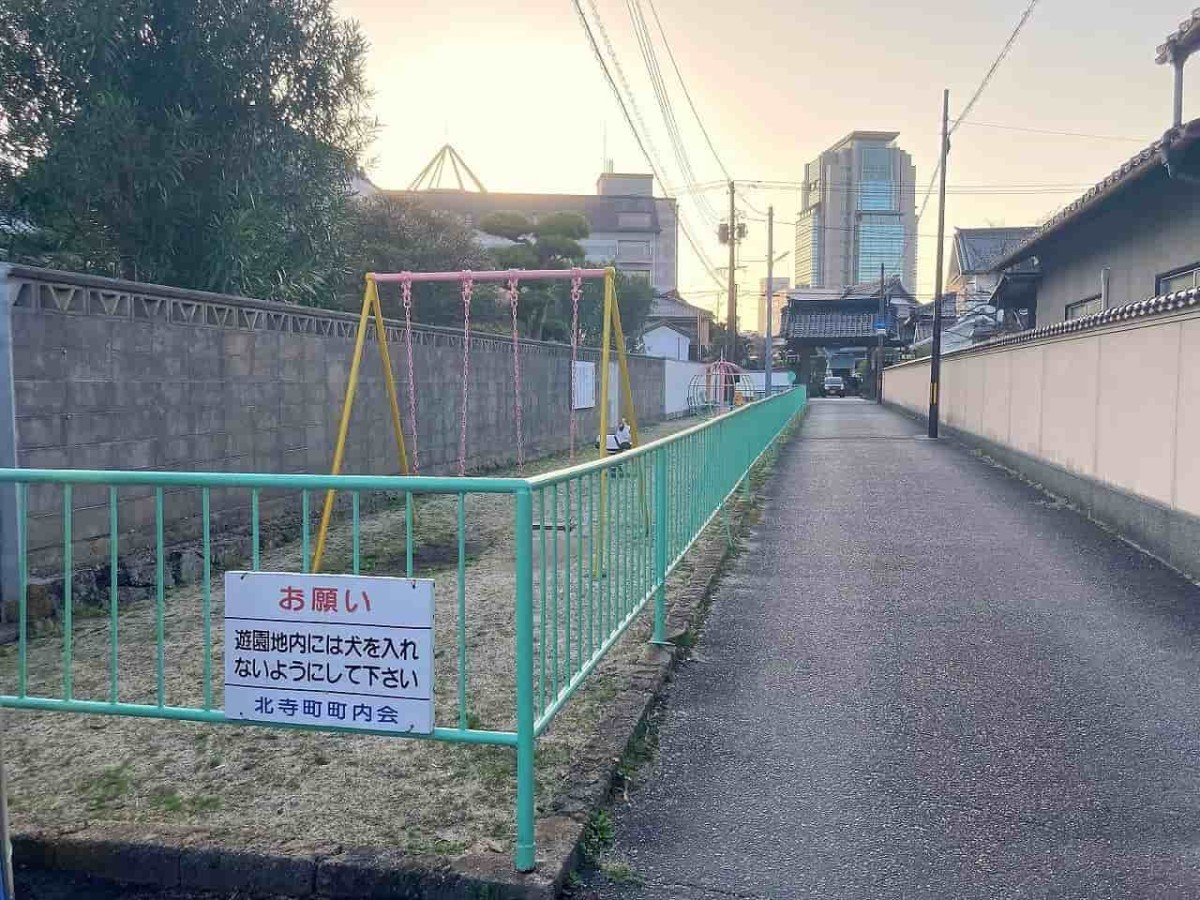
{"x":1000,"y":57}
{"x":642,"y":144}
{"x":966,"y":111}
{"x":637,"y":123}
{"x":686,"y":93}
{"x":1077,"y":134}
{"x":662,"y":96}
{"x":996,"y":188}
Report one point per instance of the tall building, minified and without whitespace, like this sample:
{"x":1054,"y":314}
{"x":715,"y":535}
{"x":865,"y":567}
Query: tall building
{"x":778,"y":302}
{"x":857,"y":210}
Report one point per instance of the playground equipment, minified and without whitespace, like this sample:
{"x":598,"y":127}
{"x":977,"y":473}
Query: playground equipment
{"x":574,"y":590}
{"x":512,"y":280}
{"x":565,"y":620}
{"x":722,"y":387}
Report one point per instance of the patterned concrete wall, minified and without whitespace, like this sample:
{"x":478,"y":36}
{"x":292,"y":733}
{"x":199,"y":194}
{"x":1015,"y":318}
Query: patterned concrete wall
{"x":109,"y":374}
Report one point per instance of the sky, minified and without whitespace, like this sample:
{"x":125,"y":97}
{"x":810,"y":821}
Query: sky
{"x":518,"y":92}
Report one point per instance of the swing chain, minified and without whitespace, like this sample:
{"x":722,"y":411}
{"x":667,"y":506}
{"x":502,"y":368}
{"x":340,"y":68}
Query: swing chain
{"x":406,"y":297}
{"x":513,"y":293}
{"x":576,"y":294}
{"x":468,"y":285}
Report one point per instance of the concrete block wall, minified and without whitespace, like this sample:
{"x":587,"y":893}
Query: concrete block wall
{"x":118,"y":375}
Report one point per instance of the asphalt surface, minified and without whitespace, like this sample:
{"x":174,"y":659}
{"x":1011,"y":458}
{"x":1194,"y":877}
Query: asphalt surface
{"x":923,"y":678}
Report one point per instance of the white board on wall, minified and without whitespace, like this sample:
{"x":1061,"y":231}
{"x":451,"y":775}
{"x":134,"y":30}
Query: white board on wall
{"x":584,"y":396}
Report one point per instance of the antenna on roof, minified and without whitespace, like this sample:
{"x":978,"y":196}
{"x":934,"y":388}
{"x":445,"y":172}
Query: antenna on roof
{"x":1179,"y":45}
{"x":430,"y":177}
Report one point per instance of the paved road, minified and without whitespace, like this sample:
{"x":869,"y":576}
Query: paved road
{"x":924,"y":679}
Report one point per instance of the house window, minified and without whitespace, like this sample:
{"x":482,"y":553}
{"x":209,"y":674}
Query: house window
{"x":1179,"y":280}
{"x":636,"y":220}
{"x":1082,"y":308}
{"x":633,"y":251}
{"x":876,"y":188}
{"x":880,"y":242}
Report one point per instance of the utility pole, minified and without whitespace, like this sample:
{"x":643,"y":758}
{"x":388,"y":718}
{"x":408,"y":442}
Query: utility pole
{"x":731,"y":321}
{"x":879,"y":351}
{"x":935,"y":363}
{"x":767,"y":348}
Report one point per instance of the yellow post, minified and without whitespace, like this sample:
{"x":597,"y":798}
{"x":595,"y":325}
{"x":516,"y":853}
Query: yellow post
{"x":630,"y":409}
{"x":339,"y":452}
{"x":389,"y":377}
{"x":605,"y":342}
{"x":626,"y":385}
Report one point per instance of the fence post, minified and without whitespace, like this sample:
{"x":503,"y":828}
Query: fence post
{"x":10,"y":579}
{"x":525,"y":856}
{"x":660,"y":544}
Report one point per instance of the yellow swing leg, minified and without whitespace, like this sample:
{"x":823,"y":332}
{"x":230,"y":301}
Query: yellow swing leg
{"x":605,"y":343}
{"x":371,"y":308}
{"x":630,"y":409}
{"x":611,"y":333}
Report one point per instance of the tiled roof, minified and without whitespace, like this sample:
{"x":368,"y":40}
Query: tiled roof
{"x":663,"y":307}
{"x":1144,"y":162}
{"x":829,"y":324}
{"x":867,"y":289}
{"x":979,"y":248}
{"x":1152,"y":306}
{"x":1182,"y":39}
{"x":926,"y":310}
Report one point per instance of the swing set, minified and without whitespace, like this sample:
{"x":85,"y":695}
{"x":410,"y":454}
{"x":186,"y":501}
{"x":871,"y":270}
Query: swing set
{"x":511,"y":279}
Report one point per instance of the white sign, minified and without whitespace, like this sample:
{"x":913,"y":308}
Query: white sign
{"x":584,"y":396}
{"x":341,"y":650}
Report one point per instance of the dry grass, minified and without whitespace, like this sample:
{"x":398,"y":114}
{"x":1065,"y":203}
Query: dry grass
{"x":277,"y":787}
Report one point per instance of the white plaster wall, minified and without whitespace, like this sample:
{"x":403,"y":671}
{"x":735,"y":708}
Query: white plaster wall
{"x":1069,"y":394}
{"x":1119,"y":404}
{"x":677,"y":380}
{"x":1135,"y":442}
{"x":997,"y":395}
{"x":1186,"y":493}
{"x":1025,"y":399}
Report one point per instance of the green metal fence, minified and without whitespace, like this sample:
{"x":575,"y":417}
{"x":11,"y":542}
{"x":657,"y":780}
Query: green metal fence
{"x":593,"y":544}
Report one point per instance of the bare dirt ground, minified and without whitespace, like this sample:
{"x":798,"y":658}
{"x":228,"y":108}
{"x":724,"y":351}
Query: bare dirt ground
{"x":275,"y":789}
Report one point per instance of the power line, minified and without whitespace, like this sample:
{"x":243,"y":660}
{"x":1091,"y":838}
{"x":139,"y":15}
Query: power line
{"x":1008,"y":45}
{"x":658,"y":84}
{"x":835,"y":227}
{"x":965,"y":188}
{"x":587,"y":29}
{"x":686,"y":92}
{"x":637,"y":124}
{"x":1078,"y":134}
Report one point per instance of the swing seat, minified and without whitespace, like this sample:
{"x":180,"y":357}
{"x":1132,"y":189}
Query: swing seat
{"x":612,"y":445}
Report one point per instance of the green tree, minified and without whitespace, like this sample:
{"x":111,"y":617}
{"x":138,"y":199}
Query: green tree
{"x":387,"y":234}
{"x":552,"y":242}
{"x":203,"y":143}
{"x":634,"y":296}
{"x":718,"y":335}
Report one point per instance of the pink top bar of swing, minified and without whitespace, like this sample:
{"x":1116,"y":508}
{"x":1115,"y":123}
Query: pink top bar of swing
{"x":487,"y":275}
